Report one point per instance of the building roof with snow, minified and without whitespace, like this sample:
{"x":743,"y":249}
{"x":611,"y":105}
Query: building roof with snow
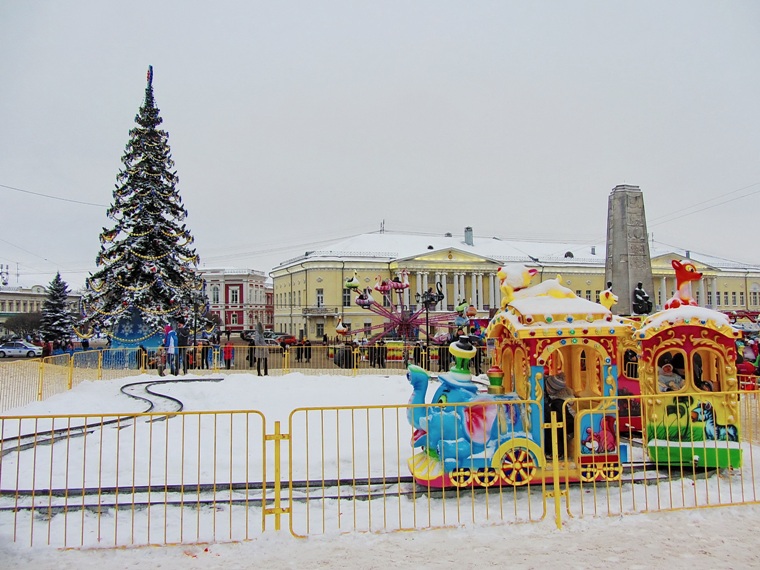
{"x":391,"y":246}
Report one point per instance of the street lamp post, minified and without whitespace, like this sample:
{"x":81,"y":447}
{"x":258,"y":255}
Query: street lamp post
{"x":429,"y":300}
{"x":198,"y":296}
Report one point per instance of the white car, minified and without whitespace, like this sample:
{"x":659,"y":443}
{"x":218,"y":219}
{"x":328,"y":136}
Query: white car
{"x":19,"y":348}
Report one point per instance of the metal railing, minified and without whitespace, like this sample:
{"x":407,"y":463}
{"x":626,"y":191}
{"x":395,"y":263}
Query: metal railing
{"x":25,"y":381}
{"x":188,"y":477}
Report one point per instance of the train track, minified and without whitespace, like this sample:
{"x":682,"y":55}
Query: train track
{"x":256,"y":494}
{"x":141,"y":391}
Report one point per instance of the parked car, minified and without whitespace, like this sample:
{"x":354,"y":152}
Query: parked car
{"x":19,"y":348}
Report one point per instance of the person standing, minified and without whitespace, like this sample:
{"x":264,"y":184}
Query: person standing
{"x":228,"y":353}
{"x":216,"y":344}
{"x":204,"y":350}
{"x":382,"y":353}
{"x":183,"y":339}
{"x":262,"y":352}
{"x":307,"y":350}
{"x":251,"y":353}
{"x":170,"y":343}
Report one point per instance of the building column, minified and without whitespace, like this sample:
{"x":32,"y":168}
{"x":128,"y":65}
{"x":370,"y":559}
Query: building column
{"x":445,"y":296}
{"x":491,"y":291}
{"x":663,"y":291}
{"x":480,"y":292}
{"x":425,"y":282}
{"x":702,"y":298}
{"x":456,"y":289}
{"x":714,"y":287}
{"x":419,"y":287}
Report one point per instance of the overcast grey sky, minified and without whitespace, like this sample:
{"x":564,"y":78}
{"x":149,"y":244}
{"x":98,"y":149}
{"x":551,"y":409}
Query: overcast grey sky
{"x":295,"y":122}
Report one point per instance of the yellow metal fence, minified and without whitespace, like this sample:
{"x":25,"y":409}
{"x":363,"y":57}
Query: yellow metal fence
{"x":188,"y":477}
{"x":27,"y":381}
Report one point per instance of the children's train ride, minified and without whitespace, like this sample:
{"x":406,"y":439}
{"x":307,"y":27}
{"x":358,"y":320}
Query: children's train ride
{"x":555,"y":356}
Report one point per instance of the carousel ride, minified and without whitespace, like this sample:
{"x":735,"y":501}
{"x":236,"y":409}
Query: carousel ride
{"x":399,"y":320}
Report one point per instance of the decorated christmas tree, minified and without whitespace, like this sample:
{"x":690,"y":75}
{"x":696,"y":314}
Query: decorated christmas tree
{"x":57,"y":323}
{"x":147,"y":276}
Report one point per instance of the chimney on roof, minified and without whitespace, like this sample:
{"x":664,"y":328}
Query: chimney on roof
{"x":593,"y":250}
{"x":468,"y":235}
{"x":688,"y":254}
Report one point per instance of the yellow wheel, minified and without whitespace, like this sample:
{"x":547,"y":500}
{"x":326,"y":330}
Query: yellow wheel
{"x":487,"y":477}
{"x":461,"y":477}
{"x":589,"y":472}
{"x":518,"y":466}
{"x":611,"y":471}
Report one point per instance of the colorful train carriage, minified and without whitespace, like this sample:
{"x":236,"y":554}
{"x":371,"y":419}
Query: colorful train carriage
{"x":689,"y":387}
{"x":540,"y":337}
{"x":545,"y":337}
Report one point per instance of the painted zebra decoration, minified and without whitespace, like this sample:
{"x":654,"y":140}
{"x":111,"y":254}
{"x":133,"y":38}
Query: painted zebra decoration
{"x":713,"y":431}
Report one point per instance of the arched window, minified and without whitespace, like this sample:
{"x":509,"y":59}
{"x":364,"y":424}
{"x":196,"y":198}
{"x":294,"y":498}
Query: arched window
{"x":569,"y":254}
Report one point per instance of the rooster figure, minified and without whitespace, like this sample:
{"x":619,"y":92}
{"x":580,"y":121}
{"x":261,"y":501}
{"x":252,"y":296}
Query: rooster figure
{"x":685,"y":274}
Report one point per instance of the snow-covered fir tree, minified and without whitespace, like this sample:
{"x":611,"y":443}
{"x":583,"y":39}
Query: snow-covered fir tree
{"x":147,"y":274}
{"x":56,"y":322}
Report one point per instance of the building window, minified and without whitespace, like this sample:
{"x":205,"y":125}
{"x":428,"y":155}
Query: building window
{"x":733,"y":298}
{"x":696,"y":297}
{"x":386,"y":301}
{"x":299,"y":298}
{"x":753,"y":297}
{"x":741,"y":298}
{"x":709,"y":298}
{"x":598,"y":294}
{"x":234,"y":295}
{"x":725,"y":297}
{"x":320,"y":330}
{"x":578,"y":293}
{"x":215,"y":295}
{"x":588,"y":294}
{"x":234,"y":319}
{"x":717,"y":299}
{"x":346,"y":297}
{"x":367,"y":329}
{"x":320,"y":297}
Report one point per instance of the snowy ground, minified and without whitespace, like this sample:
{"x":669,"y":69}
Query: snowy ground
{"x":722,"y":537}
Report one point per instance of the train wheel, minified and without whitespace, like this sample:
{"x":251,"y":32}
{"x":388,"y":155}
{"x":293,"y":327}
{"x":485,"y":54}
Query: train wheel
{"x":487,"y":477}
{"x":518,"y":466}
{"x":461,"y":477}
{"x":611,"y":471}
{"x":589,"y":472}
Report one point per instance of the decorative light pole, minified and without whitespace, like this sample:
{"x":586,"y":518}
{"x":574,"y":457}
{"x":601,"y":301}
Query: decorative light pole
{"x":429,"y":300}
{"x":199,"y":298}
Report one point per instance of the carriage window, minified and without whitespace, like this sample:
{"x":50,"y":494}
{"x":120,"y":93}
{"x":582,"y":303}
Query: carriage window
{"x":708,"y":367}
{"x":671,"y":372}
{"x":631,"y":364}
{"x":522,"y":371}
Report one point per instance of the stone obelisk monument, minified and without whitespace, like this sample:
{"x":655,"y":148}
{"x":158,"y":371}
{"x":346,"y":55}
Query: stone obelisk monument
{"x":628,"y":260}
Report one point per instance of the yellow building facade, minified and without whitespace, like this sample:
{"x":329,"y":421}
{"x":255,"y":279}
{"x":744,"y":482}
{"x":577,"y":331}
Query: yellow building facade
{"x":311,"y":297}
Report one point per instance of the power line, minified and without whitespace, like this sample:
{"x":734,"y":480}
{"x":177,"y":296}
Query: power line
{"x":665,"y":218}
{"x":52,"y":197}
